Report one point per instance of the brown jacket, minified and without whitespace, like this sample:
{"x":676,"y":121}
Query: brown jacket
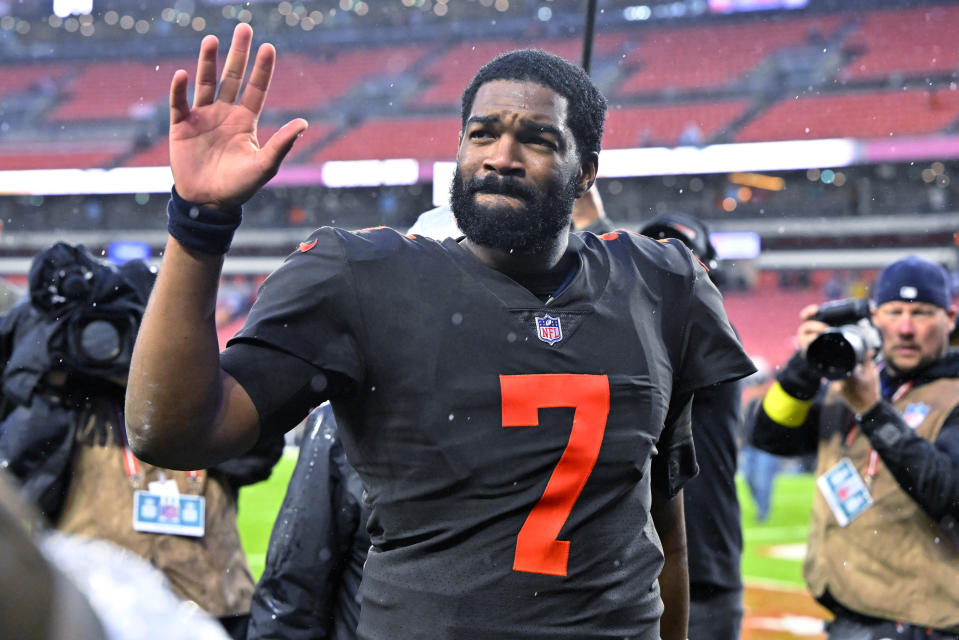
{"x":211,"y":571}
{"x":893,"y":561}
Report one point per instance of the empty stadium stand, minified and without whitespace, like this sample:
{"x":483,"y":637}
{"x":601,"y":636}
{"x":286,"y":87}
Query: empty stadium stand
{"x":18,"y":78}
{"x":58,"y":156}
{"x":664,"y":124}
{"x":449,"y":73}
{"x":865,"y":114}
{"x":424,"y":138}
{"x":903,"y":42}
{"x":723,"y":78}
{"x":710,"y":56}
{"x":116,"y":90}
{"x":305,"y":83}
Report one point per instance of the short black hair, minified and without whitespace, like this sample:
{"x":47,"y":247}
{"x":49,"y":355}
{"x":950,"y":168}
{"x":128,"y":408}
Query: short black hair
{"x":587,"y":106}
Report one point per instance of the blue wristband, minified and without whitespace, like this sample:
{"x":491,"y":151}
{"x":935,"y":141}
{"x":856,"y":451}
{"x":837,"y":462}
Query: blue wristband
{"x":201,"y":228}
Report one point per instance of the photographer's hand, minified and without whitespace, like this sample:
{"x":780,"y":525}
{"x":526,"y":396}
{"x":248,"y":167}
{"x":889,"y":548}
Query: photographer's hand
{"x":214,"y":153}
{"x":809,"y":329}
{"x":861,"y":391}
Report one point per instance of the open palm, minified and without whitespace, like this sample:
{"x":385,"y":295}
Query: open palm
{"x":214,"y":153}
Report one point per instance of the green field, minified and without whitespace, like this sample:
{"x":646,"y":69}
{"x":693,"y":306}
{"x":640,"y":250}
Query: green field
{"x":785,"y":528}
{"x":259,"y":504}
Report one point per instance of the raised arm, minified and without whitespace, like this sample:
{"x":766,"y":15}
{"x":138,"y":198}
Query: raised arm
{"x":182,"y":411}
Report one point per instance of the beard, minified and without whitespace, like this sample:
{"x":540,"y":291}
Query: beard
{"x":528,"y":230}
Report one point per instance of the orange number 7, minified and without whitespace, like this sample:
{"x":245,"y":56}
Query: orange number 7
{"x":537,"y":547}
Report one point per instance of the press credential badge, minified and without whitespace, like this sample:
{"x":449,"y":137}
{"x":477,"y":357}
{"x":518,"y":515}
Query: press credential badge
{"x":163,"y":509}
{"x":844,"y":491}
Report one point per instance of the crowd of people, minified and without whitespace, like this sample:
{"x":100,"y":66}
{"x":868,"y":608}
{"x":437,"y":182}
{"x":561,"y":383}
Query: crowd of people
{"x":520,"y":422}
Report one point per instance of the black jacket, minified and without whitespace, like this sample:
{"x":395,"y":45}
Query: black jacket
{"x":714,"y":537}
{"x":319,"y":543}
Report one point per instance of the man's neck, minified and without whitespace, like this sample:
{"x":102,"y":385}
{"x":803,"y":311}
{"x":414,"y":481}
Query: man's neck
{"x":513,"y":263}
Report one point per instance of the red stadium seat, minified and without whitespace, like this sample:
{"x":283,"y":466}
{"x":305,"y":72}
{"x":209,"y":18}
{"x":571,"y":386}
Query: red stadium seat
{"x":909,"y":42}
{"x":870,"y":114}
{"x":118,"y":90}
{"x":422,"y":138}
{"x":661,"y":125}
{"x":711,"y":56}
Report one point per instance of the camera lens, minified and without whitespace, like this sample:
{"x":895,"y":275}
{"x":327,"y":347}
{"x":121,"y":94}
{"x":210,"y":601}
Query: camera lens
{"x":100,"y":341}
{"x":835,"y":353}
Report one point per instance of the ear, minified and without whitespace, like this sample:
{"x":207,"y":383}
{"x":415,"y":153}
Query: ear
{"x":587,"y":173}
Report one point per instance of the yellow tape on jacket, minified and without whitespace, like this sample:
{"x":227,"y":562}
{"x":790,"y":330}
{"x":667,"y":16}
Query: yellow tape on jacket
{"x":784,"y":409}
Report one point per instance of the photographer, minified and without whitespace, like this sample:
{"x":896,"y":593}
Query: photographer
{"x":883,"y":554}
{"x":65,"y":355}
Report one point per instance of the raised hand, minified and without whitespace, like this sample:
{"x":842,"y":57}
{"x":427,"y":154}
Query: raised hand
{"x":214,"y":153}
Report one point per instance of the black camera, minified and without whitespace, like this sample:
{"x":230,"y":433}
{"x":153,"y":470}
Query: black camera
{"x":93,"y":307}
{"x":837,"y":350}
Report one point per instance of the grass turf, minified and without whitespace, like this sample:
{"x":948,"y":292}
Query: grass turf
{"x":765,"y":544}
{"x":258,"y":506}
{"x":772,"y":550}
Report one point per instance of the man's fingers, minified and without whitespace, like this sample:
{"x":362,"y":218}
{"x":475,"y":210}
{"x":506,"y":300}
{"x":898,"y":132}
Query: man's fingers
{"x":179,"y":107}
{"x":256,"y":89}
{"x":281,"y":142}
{"x":205,"y":89}
{"x":236,"y":60}
{"x":808,"y":311}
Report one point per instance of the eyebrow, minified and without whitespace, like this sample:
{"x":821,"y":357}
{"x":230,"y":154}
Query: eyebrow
{"x":539,"y":127}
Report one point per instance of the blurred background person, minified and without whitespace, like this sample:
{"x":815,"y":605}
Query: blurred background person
{"x":37,"y":601}
{"x":589,"y":214}
{"x":65,"y":356}
{"x":713,"y":528}
{"x":319,"y":543}
{"x":54,"y":586}
{"x":883,"y":554}
{"x":758,"y":467}
{"x":437,"y":223}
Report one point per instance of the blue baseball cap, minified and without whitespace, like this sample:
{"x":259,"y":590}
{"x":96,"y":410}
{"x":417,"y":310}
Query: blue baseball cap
{"x":913,"y":279}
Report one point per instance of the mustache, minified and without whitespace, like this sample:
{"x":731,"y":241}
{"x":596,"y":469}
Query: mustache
{"x":910,"y":345}
{"x":505,"y":186}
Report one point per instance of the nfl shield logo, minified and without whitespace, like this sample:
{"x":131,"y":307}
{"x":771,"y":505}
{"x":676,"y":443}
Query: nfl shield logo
{"x":548,"y":329}
{"x":914,"y":414}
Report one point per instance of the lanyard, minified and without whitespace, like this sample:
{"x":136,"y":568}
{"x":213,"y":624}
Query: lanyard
{"x":132,"y":466}
{"x":873,"y":465}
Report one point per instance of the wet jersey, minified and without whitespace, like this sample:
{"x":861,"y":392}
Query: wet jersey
{"x":506,"y":444}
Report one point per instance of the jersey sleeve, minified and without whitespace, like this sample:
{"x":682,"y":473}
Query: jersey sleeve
{"x":675,"y":461}
{"x":302,"y":331}
{"x":710,"y":349}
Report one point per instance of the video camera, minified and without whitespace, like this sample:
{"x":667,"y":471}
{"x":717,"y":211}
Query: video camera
{"x":92,"y":307}
{"x":837,"y":350}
